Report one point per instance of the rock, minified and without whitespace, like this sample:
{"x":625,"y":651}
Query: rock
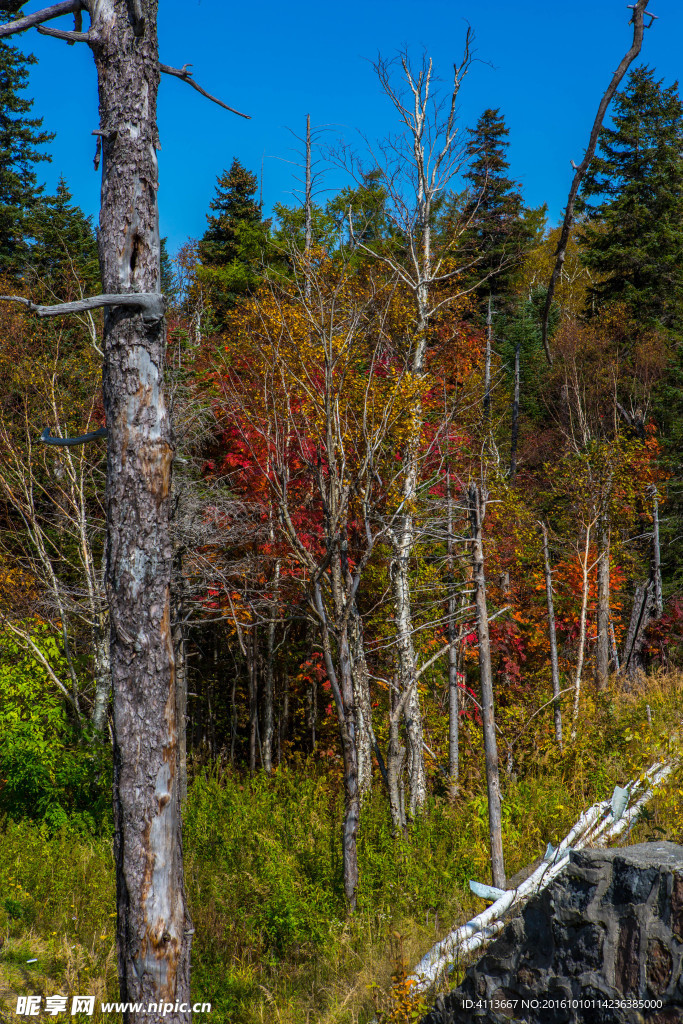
{"x":603,"y":944}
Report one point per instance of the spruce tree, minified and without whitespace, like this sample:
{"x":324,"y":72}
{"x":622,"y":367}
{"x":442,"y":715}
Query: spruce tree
{"x":62,"y":256}
{"x":20,"y":139}
{"x":633,"y":201}
{"x":231,"y":249}
{"x":499,"y":226}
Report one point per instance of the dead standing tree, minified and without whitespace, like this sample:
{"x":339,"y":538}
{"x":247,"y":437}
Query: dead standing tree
{"x":153,"y":927}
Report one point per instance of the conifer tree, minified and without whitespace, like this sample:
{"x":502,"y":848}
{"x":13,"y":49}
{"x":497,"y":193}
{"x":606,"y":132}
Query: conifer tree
{"x":633,"y":197}
{"x":499,"y":225}
{"x":231,"y":250}
{"x":62,"y":255}
{"x":20,"y":142}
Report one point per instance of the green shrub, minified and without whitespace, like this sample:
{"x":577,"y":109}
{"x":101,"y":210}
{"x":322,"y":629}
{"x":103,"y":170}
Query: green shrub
{"x":51,"y":768}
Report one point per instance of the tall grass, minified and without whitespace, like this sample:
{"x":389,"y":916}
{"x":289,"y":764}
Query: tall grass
{"x":273,"y":941}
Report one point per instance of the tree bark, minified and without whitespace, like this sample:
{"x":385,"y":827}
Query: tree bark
{"x":153,"y":926}
{"x":656,"y":566}
{"x":602,"y":641}
{"x":514,"y":434}
{"x":252,"y":679}
{"x":476,"y":511}
{"x":362,"y":702}
{"x":453,"y":701}
{"x":582,"y":632}
{"x":554,"y":665}
{"x":487,"y":366}
{"x":341,"y":682}
{"x":269,"y":679}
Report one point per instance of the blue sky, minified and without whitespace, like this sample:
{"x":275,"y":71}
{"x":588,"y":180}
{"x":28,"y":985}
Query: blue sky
{"x":544,"y":63}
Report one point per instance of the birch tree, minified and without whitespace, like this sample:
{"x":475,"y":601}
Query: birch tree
{"x":153,"y":924}
{"x":415,"y":168}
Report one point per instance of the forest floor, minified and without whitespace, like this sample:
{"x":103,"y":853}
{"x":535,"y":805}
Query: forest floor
{"x":263,"y":870}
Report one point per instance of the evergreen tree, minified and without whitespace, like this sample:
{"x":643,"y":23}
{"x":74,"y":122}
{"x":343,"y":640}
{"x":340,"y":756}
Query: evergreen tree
{"x":20,"y":139}
{"x":500,"y":227}
{"x":62,"y":256}
{"x":633,"y":199}
{"x":231,"y":250}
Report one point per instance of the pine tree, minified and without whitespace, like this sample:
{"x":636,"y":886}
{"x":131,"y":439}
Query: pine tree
{"x":231,"y":250}
{"x":20,"y":139}
{"x":633,"y":199}
{"x":62,"y":255}
{"x":500,"y":227}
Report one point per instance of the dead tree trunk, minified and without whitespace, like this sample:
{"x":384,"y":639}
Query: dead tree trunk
{"x":487,"y":366}
{"x":514,"y":434}
{"x":476,"y":510}
{"x":552,"y":635}
{"x":453,"y":701}
{"x":655,"y":563}
{"x":153,"y":925}
{"x":342,"y":691}
{"x":602,"y":640}
{"x":269,"y":677}
{"x":582,"y":632}
{"x":641,"y":614}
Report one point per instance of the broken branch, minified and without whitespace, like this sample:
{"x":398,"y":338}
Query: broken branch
{"x":151,"y":304}
{"x":58,"y":33}
{"x":186,"y":76}
{"x":38,"y":17}
{"x":629,"y":57}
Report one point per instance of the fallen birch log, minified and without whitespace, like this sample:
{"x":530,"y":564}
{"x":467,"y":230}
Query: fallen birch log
{"x":597,"y":826}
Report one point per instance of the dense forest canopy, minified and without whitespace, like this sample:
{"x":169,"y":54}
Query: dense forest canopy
{"x":410,"y":556}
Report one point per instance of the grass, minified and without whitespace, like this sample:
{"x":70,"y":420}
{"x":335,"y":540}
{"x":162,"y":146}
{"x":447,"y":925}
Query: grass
{"x":263,"y":870}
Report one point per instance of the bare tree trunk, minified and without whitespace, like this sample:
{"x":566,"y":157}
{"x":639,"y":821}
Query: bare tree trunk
{"x":283,"y":731}
{"x":396,"y":754}
{"x":602,"y":641}
{"x":487,"y":366}
{"x":252,"y":678}
{"x":153,"y":925}
{"x":308,"y":198}
{"x":101,"y":671}
{"x":656,"y":567}
{"x":582,"y":632}
{"x":514,"y":434}
{"x":641,"y":614}
{"x":342,"y":690}
{"x":269,"y":679}
{"x":178,"y":613}
{"x":362,"y":701}
{"x":476,"y":509}
{"x":554,"y":665}
{"x":453,"y":701}
{"x":613,"y":648}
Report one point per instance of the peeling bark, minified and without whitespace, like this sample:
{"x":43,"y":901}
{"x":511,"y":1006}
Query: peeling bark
{"x":153,"y":926}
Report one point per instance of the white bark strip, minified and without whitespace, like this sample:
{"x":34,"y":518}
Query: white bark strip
{"x":595,"y":827}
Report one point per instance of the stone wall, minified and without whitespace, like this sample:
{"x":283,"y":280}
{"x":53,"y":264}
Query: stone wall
{"x":603,"y":944}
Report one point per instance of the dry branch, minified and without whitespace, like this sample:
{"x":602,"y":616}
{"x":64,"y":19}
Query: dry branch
{"x":638,"y":29}
{"x":151,"y":304}
{"x":186,"y":76}
{"x":38,"y":17}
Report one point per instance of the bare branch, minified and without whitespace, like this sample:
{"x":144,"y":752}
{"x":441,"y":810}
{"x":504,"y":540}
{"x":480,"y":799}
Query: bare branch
{"x":48,"y":438}
{"x":151,"y":304}
{"x":186,"y":76}
{"x":38,"y":17}
{"x":58,"y":33}
{"x":629,"y":57}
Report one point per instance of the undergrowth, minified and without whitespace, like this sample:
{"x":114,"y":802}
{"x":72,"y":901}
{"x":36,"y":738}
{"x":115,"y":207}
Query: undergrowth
{"x":263,"y":869}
